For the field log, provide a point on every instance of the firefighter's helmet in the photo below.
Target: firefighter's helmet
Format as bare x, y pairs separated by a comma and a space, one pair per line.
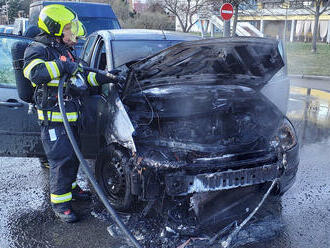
54, 17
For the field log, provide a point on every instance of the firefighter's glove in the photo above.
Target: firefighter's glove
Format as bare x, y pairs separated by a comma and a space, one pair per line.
72, 68
116, 79
108, 77
77, 85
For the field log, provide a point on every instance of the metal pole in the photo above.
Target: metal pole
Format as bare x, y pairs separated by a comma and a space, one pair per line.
226, 28
202, 27
212, 30
285, 24
328, 36
293, 25
262, 27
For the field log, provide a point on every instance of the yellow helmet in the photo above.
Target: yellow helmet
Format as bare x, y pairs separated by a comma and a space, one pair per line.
54, 17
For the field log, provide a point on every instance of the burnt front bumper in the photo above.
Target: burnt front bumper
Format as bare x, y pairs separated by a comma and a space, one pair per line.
154, 180
180, 184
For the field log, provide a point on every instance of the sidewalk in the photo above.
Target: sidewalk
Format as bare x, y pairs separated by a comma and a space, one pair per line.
313, 77
310, 81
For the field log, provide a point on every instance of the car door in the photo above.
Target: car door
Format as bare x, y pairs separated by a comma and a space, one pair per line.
91, 134
19, 130
113, 120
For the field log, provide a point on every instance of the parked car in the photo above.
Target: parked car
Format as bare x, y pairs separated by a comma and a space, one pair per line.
9, 29
190, 119
2, 28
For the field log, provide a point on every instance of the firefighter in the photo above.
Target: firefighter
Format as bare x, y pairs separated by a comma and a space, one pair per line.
45, 61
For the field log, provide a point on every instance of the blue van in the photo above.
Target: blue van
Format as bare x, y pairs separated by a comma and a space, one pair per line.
94, 16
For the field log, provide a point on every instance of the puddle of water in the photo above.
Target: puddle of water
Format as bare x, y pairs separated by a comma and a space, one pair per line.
309, 110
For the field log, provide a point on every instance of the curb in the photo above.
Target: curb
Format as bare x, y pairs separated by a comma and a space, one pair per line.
326, 78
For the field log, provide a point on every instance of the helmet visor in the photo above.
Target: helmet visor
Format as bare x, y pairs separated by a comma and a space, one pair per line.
82, 31
74, 27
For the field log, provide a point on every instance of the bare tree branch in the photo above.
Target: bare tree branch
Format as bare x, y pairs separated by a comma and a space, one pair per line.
184, 11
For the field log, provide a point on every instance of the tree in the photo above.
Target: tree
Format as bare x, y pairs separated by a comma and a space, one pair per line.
184, 11
122, 11
153, 20
317, 8
14, 6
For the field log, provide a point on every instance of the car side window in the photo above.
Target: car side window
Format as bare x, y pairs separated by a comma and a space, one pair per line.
7, 75
88, 48
101, 59
101, 63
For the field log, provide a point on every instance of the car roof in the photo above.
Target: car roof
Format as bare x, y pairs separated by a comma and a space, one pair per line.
145, 34
83, 9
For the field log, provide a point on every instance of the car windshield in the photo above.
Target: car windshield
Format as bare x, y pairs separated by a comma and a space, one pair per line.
97, 23
133, 50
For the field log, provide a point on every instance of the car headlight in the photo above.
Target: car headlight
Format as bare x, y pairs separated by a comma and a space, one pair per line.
286, 136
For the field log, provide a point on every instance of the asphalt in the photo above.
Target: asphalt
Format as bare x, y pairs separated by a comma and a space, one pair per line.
300, 220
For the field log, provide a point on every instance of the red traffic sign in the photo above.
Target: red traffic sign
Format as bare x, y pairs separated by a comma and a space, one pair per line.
226, 11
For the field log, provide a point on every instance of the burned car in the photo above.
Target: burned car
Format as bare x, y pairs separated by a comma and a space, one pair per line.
194, 117
198, 118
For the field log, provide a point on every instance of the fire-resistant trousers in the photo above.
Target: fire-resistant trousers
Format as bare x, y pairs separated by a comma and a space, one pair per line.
63, 163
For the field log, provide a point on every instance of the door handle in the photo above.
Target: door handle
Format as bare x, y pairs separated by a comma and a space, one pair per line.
11, 104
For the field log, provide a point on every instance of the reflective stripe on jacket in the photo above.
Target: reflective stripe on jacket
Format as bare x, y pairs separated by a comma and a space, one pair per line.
57, 116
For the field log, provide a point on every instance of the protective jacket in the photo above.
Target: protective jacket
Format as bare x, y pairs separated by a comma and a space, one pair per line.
44, 65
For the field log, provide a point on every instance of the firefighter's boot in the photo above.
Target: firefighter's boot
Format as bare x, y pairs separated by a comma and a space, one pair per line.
80, 195
66, 214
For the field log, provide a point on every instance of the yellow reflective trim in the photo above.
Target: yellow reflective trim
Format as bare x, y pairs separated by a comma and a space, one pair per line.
61, 198
49, 69
74, 185
57, 116
53, 83
51, 65
30, 66
56, 69
92, 79
33, 84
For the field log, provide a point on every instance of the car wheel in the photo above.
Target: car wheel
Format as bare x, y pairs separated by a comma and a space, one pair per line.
110, 172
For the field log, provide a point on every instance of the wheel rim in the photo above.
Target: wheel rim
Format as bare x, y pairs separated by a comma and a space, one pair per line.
114, 180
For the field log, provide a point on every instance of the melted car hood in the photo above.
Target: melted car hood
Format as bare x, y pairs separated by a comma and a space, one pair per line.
241, 61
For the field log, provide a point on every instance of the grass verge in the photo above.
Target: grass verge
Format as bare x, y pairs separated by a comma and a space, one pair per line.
302, 61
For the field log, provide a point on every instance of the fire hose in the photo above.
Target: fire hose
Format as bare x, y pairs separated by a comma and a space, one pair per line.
86, 169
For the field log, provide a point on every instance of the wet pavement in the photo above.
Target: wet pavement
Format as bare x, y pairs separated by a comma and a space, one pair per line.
301, 219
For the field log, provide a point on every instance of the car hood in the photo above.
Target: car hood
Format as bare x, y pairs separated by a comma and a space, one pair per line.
202, 99
244, 61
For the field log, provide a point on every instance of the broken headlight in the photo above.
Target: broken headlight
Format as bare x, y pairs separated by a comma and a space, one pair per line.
286, 136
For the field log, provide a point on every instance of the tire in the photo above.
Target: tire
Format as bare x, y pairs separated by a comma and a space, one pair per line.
110, 171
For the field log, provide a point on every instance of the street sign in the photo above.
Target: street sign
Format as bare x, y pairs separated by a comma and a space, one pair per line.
226, 11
